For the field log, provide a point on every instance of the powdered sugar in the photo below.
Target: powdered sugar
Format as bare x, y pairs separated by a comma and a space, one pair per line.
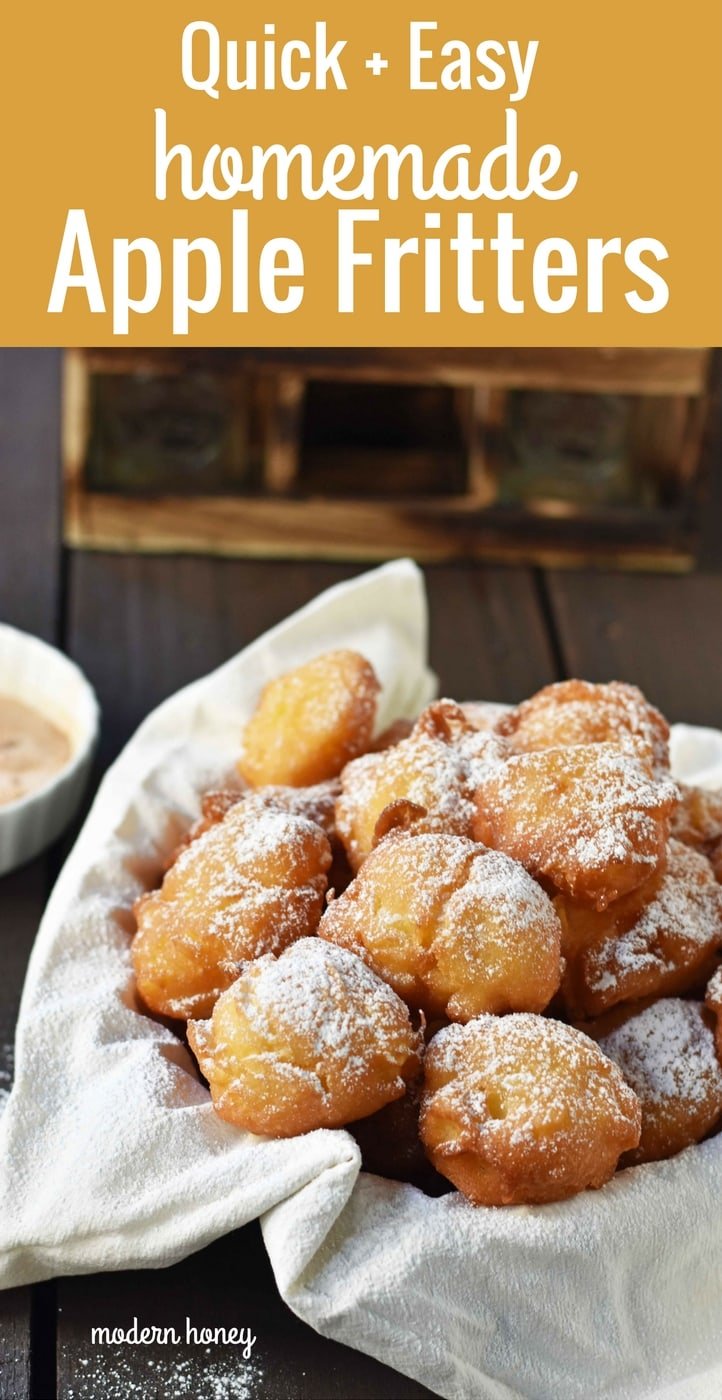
714, 990
582, 712
439, 767
519, 905
680, 924
667, 1052
588, 817
178, 1378
271, 847
529, 1083
456, 929
320, 994
248, 885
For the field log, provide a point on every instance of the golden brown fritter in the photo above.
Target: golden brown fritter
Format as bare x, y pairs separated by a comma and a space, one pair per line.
454, 928
588, 821
697, 819
250, 885
713, 1001
580, 712
437, 770
666, 1052
316, 804
660, 941
311, 721
311, 1039
523, 1109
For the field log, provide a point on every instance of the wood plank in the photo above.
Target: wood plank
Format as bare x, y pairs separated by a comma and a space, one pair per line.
141, 626
615, 370
29, 598
30, 489
15, 1344
710, 479
429, 529
663, 634
489, 640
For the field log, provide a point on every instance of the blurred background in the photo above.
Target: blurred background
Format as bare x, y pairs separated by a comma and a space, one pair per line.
569, 456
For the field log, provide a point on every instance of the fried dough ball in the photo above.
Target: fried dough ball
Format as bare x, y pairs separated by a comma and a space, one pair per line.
659, 941
588, 820
454, 928
713, 1000
580, 712
433, 773
666, 1052
250, 885
522, 1109
697, 820
311, 1039
309, 722
316, 804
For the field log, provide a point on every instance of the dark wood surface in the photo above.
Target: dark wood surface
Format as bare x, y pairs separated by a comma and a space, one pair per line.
141, 627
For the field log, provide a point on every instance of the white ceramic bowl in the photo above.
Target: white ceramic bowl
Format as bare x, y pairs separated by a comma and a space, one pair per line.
36, 673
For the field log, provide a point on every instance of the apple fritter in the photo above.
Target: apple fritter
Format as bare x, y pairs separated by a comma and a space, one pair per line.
310, 722
311, 1039
253, 883
523, 1109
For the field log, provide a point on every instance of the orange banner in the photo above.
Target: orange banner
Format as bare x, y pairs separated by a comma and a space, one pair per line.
390, 174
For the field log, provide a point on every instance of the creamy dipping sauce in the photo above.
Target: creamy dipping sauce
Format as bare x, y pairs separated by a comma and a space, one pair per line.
32, 750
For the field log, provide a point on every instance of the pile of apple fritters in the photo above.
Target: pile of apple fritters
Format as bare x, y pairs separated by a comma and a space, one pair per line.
489, 940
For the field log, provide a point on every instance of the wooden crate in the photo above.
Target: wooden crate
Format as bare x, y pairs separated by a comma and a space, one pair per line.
273, 511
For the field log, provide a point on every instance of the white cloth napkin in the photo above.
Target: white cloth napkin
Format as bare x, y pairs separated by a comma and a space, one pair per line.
111, 1156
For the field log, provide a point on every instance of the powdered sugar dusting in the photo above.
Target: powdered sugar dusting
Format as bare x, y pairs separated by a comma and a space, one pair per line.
319, 992
714, 990
529, 1083
667, 1052
681, 923
322, 1013
455, 928
582, 712
439, 767
519, 904
575, 812
177, 1378
315, 803
239, 867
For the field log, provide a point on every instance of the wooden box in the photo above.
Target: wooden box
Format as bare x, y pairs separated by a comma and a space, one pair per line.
548, 456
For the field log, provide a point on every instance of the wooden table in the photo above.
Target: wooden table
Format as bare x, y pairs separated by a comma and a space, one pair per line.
141, 627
